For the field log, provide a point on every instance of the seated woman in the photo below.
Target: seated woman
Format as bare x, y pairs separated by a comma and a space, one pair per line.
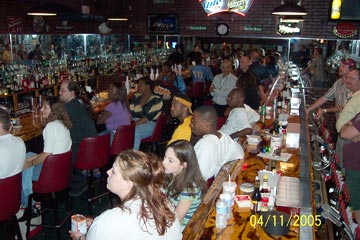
145, 107
185, 184
248, 82
145, 212
117, 113
57, 140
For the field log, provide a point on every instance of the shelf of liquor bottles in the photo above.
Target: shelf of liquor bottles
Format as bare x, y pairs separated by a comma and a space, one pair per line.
21, 82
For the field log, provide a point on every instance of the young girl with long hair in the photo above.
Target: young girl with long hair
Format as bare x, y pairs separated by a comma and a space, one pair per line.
184, 184
145, 211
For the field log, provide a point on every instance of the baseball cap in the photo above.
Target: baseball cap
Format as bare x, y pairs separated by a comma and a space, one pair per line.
349, 62
184, 102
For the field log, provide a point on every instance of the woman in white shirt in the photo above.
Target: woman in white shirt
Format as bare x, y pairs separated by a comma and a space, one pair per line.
57, 140
145, 212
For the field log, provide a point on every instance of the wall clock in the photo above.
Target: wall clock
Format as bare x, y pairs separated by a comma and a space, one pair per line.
222, 29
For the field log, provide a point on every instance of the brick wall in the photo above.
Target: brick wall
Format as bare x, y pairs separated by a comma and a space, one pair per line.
316, 24
190, 12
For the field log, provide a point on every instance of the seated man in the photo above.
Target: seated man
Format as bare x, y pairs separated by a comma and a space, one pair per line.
83, 125
12, 148
165, 89
214, 148
241, 117
181, 109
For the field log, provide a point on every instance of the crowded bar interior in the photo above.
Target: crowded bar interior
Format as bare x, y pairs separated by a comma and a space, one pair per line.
168, 119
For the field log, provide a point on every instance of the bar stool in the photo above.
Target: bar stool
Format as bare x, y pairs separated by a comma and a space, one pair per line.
51, 185
196, 92
10, 189
123, 139
155, 138
94, 153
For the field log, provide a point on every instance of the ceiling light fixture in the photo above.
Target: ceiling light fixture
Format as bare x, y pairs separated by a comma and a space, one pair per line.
291, 19
289, 8
42, 10
39, 13
117, 19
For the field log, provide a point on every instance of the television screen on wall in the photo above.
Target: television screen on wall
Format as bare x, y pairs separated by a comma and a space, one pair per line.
349, 10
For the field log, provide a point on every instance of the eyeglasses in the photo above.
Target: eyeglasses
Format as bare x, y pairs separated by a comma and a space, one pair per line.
352, 78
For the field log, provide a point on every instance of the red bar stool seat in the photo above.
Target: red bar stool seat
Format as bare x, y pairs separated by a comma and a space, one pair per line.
49, 188
123, 139
94, 153
10, 194
155, 138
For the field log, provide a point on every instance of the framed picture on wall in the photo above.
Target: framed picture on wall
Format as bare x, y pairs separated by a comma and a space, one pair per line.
163, 23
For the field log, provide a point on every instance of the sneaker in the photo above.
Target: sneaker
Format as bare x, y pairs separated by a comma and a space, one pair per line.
77, 192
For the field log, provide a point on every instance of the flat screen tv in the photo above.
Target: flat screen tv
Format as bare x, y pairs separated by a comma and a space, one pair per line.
350, 10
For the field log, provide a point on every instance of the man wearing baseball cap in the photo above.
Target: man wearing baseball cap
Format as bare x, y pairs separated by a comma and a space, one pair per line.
337, 92
340, 93
181, 109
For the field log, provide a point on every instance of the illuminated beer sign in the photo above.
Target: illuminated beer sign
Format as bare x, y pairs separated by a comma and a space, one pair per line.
216, 6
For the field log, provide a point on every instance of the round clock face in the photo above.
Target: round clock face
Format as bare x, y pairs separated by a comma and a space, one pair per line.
222, 29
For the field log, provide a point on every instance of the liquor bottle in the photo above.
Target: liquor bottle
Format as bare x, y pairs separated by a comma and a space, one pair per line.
152, 75
286, 106
157, 74
273, 165
127, 85
322, 153
221, 212
279, 103
336, 9
263, 113
276, 128
265, 193
256, 200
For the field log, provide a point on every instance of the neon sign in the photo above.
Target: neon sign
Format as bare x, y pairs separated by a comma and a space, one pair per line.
240, 7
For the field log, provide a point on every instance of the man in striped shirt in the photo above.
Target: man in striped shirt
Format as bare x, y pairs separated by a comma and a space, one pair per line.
337, 92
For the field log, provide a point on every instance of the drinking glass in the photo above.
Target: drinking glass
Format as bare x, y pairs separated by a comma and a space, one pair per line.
34, 104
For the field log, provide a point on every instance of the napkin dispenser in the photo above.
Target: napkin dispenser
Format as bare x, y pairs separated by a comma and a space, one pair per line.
293, 135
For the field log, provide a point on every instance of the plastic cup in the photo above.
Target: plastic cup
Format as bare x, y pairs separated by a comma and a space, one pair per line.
230, 187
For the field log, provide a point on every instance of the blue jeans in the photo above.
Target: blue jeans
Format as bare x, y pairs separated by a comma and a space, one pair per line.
143, 131
29, 175
112, 134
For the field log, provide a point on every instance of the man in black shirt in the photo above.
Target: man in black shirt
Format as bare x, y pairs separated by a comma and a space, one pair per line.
82, 126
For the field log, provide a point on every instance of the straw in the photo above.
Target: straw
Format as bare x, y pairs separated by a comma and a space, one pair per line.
229, 179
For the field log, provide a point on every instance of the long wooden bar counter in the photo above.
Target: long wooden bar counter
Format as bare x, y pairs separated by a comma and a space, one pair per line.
203, 225
31, 124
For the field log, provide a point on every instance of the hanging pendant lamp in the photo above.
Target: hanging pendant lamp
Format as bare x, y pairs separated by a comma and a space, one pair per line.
289, 8
292, 19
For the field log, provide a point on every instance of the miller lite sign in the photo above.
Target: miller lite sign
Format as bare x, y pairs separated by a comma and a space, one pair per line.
216, 6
